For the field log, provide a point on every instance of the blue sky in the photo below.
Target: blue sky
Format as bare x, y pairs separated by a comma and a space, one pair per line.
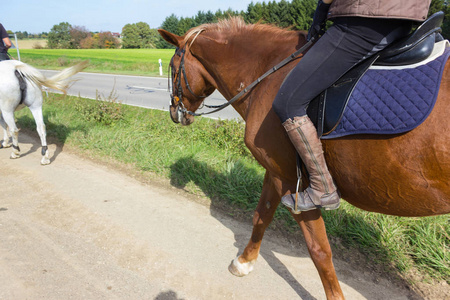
36, 16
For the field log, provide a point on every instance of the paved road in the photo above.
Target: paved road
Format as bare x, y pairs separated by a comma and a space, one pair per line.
150, 92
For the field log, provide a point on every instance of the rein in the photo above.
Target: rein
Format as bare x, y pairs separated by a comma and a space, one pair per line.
178, 100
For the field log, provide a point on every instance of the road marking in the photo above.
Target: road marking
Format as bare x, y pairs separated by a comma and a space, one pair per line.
146, 88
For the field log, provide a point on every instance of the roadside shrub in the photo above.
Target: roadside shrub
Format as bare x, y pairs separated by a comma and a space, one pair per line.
105, 111
38, 45
63, 61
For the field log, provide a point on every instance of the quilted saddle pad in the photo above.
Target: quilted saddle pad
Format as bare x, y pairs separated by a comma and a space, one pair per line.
393, 100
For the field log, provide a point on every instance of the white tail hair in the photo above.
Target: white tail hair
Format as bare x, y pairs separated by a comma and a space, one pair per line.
61, 81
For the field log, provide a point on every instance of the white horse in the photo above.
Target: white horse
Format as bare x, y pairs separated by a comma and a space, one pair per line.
20, 86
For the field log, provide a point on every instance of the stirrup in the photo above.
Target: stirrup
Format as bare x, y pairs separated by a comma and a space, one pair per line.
300, 203
291, 201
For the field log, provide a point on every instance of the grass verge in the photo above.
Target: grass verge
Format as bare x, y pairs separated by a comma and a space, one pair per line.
209, 158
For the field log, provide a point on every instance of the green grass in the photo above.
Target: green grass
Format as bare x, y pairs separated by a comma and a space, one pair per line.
116, 61
209, 158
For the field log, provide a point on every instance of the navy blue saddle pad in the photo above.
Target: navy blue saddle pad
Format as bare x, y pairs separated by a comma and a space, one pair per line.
392, 101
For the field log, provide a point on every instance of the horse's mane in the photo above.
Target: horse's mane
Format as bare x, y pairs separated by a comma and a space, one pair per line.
237, 25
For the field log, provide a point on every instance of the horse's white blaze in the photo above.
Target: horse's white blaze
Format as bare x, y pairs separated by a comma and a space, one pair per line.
180, 114
241, 269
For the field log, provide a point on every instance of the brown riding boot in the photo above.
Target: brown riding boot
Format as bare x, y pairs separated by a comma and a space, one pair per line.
321, 193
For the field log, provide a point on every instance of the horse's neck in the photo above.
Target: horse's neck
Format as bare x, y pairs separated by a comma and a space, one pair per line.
245, 61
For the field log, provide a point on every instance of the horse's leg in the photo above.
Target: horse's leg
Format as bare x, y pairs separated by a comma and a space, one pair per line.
40, 127
6, 136
14, 131
243, 264
313, 227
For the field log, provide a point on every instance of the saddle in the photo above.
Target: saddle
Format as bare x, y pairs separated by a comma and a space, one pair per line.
327, 109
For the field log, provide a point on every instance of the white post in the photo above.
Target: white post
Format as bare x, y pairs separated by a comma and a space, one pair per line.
160, 67
17, 46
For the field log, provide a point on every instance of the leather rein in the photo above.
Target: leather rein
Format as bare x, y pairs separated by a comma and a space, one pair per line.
177, 100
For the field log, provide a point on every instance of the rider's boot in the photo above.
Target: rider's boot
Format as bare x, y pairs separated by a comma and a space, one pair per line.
321, 193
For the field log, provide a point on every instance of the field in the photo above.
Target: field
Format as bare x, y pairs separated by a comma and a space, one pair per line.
115, 61
30, 44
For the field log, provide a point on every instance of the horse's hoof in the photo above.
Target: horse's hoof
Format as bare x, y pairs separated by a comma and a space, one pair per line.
240, 269
14, 155
5, 145
45, 161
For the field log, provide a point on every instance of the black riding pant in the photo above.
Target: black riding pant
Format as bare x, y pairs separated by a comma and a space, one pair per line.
345, 44
4, 56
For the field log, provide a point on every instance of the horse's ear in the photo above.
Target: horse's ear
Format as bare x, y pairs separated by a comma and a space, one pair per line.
170, 37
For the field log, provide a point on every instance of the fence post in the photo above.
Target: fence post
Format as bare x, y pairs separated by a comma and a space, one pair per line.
17, 46
160, 67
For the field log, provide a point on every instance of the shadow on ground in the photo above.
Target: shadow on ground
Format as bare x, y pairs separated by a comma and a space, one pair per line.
56, 134
187, 170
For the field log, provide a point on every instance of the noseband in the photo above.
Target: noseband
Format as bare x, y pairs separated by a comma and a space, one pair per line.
177, 101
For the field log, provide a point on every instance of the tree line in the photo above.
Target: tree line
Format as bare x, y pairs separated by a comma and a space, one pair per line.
25, 35
294, 14
66, 36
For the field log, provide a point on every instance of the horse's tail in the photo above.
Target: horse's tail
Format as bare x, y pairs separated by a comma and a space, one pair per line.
61, 81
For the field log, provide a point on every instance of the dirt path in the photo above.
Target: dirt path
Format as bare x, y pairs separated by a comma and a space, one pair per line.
79, 230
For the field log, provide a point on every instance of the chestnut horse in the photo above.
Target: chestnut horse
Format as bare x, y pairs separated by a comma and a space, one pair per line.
403, 175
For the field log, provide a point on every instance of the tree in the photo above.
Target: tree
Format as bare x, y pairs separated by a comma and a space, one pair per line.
204, 18
254, 13
446, 23
138, 35
302, 12
436, 5
284, 16
91, 42
185, 24
107, 41
130, 36
77, 34
170, 24
59, 36
228, 13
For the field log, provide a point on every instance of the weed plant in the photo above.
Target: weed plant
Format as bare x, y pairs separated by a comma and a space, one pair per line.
105, 111
209, 158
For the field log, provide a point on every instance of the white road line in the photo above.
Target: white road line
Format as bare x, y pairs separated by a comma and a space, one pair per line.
146, 88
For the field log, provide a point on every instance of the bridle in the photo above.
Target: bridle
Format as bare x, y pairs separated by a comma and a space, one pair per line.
176, 100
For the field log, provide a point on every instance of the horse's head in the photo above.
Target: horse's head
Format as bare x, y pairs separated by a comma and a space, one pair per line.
191, 83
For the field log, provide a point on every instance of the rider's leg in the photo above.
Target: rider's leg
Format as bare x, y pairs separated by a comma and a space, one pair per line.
322, 191
343, 46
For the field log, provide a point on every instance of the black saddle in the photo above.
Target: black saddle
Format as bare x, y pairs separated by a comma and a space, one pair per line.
326, 110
